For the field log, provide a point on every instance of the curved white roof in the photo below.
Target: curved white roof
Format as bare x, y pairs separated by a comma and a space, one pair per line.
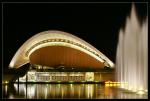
54, 38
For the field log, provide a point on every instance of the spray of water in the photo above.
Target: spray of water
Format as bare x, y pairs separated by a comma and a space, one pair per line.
132, 54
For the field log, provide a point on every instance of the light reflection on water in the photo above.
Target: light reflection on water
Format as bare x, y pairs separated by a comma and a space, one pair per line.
74, 91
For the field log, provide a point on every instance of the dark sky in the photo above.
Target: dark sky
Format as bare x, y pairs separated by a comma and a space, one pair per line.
96, 23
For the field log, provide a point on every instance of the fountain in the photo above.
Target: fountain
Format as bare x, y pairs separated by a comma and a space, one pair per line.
132, 55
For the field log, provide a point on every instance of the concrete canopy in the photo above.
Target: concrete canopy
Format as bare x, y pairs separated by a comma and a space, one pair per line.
42, 47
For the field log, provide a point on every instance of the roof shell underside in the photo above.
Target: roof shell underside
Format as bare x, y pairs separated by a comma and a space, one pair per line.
54, 56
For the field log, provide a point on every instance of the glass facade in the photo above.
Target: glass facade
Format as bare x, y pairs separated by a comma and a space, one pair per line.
36, 76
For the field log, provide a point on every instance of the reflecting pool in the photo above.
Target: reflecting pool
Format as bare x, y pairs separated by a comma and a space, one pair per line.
69, 91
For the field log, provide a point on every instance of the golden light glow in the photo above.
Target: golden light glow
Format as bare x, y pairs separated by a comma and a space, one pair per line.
140, 92
39, 67
6, 82
107, 85
115, 85
106, 82
110, 84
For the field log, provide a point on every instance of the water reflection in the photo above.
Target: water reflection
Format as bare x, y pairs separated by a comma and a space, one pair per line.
61, 91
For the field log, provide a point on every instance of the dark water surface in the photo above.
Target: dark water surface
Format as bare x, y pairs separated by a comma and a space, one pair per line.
60, 91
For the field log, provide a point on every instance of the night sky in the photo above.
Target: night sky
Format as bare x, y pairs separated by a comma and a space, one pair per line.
96, 23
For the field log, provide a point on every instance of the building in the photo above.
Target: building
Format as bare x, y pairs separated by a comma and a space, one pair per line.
59, 56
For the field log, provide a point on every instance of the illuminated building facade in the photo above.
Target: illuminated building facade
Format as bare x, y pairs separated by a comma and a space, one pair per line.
65, 77
34, 76
51, 51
